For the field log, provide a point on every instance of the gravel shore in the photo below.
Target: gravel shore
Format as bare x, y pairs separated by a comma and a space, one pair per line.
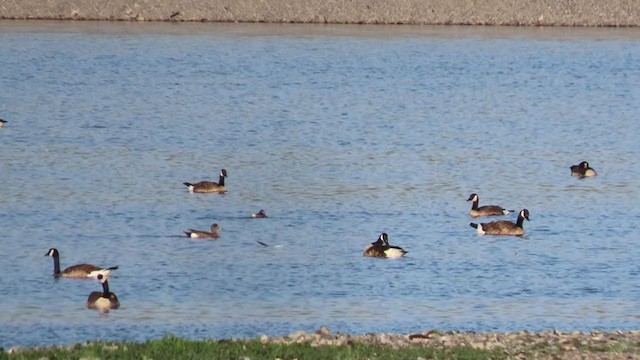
517, 345
623, 13
551, 344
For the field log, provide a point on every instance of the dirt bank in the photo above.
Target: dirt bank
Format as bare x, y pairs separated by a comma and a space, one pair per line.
459, 12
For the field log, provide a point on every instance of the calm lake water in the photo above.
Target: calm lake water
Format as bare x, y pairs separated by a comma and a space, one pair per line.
339, 133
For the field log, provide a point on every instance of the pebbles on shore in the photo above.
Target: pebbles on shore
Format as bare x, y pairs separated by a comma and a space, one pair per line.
523, 344
550, 344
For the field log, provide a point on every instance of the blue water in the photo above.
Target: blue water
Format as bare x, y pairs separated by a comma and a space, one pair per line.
339, 133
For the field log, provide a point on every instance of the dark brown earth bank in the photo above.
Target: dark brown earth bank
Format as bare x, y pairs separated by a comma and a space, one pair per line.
616, 13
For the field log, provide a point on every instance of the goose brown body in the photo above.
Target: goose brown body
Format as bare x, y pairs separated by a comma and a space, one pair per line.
105, 299
486, 210
201, 234
209, 186
76, 271
503, 227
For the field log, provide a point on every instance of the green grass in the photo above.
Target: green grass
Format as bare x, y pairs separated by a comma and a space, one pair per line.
178, 348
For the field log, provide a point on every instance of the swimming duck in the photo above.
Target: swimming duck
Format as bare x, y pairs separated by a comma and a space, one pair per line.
259, 214
486, 210
201, 234
209, 186
76, 271
503, 227
583, 170
381, 248
105, 299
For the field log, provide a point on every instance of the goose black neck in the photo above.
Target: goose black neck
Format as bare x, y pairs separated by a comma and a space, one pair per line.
520, 221
475, 204
221, 181
105, 289
56, 265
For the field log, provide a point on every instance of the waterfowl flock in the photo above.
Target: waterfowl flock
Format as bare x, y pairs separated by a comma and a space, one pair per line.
105, 300
381, 248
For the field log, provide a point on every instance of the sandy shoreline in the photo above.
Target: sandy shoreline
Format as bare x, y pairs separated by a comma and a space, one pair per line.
611, 13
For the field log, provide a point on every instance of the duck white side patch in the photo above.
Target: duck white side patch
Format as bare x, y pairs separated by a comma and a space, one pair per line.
393, 253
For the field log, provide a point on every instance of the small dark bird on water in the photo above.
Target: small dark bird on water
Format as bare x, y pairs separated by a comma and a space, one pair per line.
583, 170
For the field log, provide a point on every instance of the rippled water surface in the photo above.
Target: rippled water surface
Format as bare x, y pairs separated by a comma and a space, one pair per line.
339, 133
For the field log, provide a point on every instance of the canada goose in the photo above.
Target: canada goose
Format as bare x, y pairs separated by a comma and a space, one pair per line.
503, 227
76, 271
2, 122
381, 248
201, 234
209, 186
486, 210
259, 214
105, 299
582, 170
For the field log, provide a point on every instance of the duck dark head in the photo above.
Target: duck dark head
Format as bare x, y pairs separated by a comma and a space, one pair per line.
383, 240
52, 252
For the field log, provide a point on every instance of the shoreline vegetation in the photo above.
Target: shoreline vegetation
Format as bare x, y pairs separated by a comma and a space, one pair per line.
590, 13
323, 344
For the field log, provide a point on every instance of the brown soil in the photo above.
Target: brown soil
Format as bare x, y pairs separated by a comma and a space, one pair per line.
468, 12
